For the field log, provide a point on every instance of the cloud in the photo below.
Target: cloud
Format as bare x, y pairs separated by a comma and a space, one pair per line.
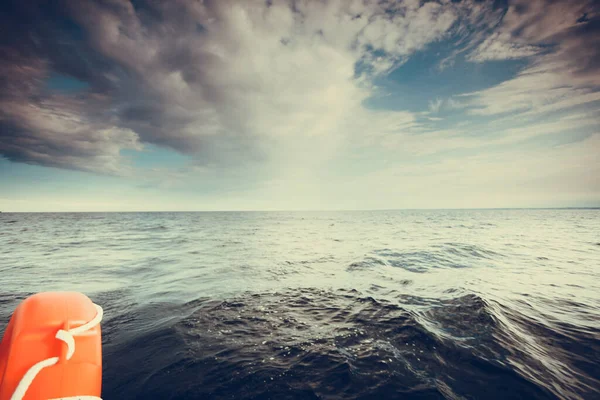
434, 105
538, 177
549, 85
53, 133
501, 135
562, 41
530, 26
278, 90
53, 129
227, 82
478, 21
499, 46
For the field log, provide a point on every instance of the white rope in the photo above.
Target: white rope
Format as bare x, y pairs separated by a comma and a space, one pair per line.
67, 337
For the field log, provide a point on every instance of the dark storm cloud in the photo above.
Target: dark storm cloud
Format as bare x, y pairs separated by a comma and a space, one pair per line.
211, 78
45, 128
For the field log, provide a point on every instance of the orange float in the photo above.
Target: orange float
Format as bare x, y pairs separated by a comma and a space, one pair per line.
52, 349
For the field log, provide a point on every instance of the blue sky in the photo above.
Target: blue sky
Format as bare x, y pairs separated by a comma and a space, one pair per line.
253, 105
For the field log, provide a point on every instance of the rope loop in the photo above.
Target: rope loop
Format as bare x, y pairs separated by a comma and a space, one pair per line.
66, 336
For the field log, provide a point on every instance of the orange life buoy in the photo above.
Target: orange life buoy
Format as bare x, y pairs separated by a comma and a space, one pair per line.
31, 336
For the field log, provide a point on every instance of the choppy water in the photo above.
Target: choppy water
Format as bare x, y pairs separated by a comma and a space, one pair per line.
480, 304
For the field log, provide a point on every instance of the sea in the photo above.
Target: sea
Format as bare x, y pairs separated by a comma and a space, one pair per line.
411, 304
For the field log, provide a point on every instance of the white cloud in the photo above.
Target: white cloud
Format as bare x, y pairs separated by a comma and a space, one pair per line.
454, 104
241, 83
231, 82
260, 79
563, 50
435, 105
499, 134
529, 24
546, 86
540, 177
501, 46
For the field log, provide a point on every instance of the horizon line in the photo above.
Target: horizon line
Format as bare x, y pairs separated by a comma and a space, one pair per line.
308, 210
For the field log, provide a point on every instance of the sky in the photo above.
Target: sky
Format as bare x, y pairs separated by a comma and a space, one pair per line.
185, 105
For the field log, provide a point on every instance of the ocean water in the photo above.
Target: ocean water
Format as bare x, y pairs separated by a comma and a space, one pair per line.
469, 304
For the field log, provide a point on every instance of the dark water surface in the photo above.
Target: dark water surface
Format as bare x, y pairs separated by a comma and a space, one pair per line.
474, 304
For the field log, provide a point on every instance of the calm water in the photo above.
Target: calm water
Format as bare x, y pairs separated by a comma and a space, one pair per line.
490, 304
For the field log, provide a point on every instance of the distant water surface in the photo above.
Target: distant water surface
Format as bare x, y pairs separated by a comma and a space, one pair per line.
470, 304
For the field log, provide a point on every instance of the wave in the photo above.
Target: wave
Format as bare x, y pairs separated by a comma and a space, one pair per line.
310, 343
446, 255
